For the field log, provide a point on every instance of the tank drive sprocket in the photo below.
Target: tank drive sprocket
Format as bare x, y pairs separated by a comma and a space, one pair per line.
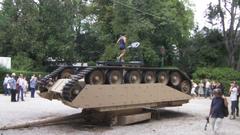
72, 88
44, 82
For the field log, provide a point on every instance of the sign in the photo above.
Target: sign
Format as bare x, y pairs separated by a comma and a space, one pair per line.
5, 62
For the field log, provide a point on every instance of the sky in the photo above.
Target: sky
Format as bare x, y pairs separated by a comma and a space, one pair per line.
200, 8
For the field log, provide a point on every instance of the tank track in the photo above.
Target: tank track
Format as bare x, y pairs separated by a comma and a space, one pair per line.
44, 82
171, 77
68, 88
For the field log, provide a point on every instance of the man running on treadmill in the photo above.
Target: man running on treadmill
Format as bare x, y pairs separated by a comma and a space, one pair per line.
122, 46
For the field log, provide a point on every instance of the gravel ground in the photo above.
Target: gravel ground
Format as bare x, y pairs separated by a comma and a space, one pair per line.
188, 119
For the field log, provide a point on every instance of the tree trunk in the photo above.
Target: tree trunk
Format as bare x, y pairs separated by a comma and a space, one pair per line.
231, 60
230, 34
238, 64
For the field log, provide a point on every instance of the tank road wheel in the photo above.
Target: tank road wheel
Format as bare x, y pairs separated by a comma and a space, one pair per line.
163, 77
185, 87
149, 77
66, 73
175, 78
133, 77
114, 77
96, 77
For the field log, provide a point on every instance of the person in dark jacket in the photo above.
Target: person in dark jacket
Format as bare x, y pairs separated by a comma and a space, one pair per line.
219, 102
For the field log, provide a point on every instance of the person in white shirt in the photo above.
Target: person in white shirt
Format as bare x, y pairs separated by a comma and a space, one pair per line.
193, 90
207, 88
200, 89
233, 97
25, 86
6, 86
21, 87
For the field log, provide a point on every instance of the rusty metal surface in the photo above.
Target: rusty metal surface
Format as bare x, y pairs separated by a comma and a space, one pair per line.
134, 95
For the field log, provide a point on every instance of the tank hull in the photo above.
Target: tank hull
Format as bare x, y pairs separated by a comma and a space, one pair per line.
119, 96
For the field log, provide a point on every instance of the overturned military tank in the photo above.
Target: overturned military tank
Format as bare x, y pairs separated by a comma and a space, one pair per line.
117, 92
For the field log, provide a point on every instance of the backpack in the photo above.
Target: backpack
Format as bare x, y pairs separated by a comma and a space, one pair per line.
225, 110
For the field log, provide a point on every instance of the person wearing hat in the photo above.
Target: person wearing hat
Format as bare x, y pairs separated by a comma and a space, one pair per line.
219, 103
13, 83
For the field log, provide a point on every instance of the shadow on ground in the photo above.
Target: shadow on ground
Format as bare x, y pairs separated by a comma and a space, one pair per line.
161, 114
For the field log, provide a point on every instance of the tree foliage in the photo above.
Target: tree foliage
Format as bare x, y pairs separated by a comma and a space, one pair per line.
37, 30
153, 23
33, 31
204, 49
227, 12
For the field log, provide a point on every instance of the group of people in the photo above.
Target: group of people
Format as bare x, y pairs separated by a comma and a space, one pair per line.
205, 88
219, 106
17, 87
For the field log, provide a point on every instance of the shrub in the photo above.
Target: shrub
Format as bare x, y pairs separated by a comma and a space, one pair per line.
223, 75
22, 62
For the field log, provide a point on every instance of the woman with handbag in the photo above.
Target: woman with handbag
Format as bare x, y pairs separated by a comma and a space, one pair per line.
218, 110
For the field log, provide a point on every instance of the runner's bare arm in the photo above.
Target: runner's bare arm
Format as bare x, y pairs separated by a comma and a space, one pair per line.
118, 40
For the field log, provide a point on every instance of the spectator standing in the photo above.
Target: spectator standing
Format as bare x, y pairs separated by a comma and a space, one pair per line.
194, 86
207, 88
219, 102
200, 89
12, 84
238, 94
233, 97
38, 80
33, 83
238, 104
25, 86
21, 87
6, 86
39, 77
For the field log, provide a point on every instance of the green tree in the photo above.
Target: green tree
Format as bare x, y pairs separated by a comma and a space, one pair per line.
204, 49
156, 23
38, 30
56, 33
228, 12
79, 30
